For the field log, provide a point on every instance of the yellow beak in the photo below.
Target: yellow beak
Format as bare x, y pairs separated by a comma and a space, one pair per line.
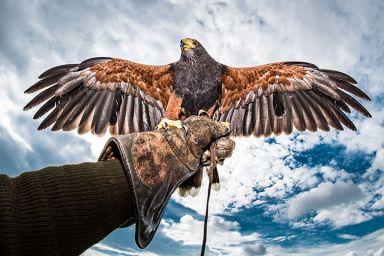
187, 43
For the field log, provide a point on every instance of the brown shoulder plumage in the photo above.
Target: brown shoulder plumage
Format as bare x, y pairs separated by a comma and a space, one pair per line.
156, 81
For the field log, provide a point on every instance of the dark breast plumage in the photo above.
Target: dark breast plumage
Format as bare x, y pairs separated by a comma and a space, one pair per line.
198, 83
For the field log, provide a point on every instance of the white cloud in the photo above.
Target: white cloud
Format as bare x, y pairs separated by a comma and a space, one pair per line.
322, 197
369, 135
378, 162
351, 254
379, 252
331, 175
369, 245
347, 236
260, 171
9, 106
224, 237
254, 166
91, 252
101, 249
342, 215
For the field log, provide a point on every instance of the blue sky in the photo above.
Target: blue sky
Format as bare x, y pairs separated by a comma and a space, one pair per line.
304, 194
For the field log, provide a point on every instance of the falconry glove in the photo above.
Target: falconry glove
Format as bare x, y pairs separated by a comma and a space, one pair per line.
157, 162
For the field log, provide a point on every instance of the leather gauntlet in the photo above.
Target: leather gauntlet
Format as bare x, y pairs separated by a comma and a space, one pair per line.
157, 162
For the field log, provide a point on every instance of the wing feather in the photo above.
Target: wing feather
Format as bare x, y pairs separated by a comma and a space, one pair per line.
236, 119
342, 117
121, 122
41, 97
326, 110
86, 120
275, 97
258, 131
137, 115
58, 70
352, 89
149, 87
222, 116
353, 103
265, 120
130, 113
75, 117
339, 76
318, 116
115, 109
73, 101
104, 110
50, 104
310, 122
228, 118
276, 121
249, 120
48, 81
287, 118
53, 115
298, 116
146, 122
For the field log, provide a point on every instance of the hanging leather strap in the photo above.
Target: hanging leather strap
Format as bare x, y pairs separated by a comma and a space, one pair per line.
211, 169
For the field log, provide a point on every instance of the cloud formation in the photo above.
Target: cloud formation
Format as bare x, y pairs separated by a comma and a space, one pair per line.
224, 236
324, 196
278, 178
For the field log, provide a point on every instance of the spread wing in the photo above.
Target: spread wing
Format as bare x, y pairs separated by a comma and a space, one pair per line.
100, 92
276, 97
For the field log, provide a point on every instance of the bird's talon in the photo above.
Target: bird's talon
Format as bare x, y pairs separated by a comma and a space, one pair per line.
226, 124
203, 113
167, 123
185, 127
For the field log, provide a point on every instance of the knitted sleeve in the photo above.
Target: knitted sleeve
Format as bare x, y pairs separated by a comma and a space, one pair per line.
62, 210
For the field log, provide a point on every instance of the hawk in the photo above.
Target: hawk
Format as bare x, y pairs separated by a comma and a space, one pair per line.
127, 97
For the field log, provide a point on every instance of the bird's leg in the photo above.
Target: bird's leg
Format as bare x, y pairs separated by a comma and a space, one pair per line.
211, 111
172, 113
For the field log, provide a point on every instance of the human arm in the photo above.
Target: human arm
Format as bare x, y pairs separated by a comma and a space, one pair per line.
62, 210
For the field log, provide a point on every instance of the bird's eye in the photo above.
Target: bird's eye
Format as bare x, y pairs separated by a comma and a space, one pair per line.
195, 43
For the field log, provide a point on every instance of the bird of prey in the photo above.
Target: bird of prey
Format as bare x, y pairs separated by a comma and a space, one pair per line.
130, 97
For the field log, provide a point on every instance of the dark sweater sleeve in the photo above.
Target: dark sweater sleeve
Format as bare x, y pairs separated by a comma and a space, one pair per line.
62, 210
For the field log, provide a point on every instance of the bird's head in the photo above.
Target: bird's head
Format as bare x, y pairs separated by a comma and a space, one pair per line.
191, 47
